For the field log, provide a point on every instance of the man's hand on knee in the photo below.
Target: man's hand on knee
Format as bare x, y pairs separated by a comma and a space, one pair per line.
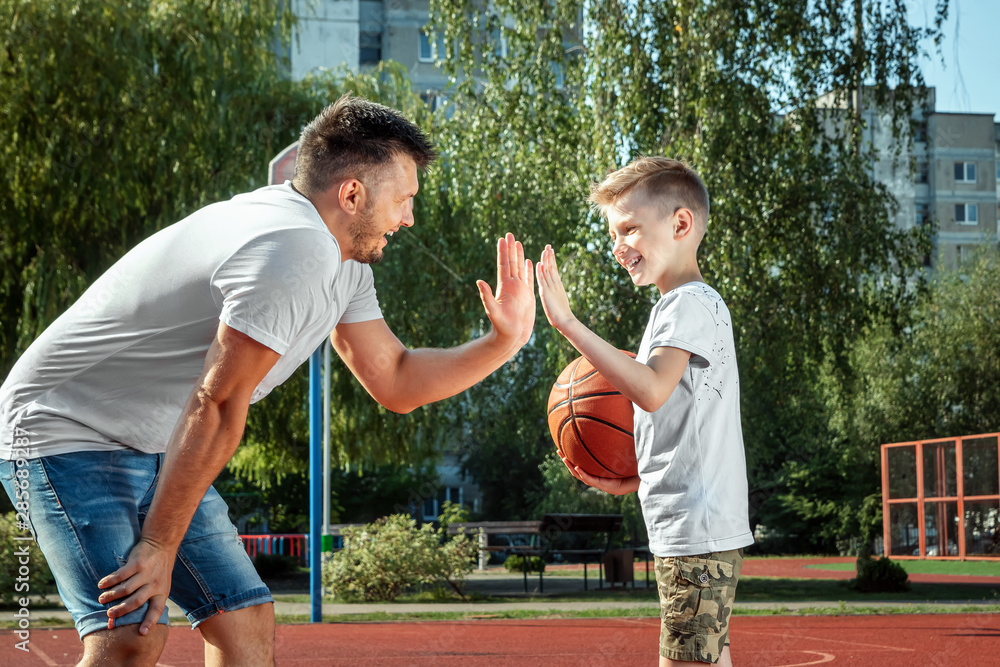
145, 577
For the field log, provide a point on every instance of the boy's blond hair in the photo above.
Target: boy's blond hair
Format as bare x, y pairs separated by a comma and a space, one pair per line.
670, 183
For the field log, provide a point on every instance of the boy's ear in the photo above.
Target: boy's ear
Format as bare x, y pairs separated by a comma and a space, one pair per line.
683, 223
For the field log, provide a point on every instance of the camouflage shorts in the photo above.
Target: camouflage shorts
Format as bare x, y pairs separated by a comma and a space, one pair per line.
696, 600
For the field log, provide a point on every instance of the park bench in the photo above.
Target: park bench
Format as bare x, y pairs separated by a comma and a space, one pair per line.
545, 536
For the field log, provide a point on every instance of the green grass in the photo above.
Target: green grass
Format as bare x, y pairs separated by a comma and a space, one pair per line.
751, 589
55, 622
540, 612
766, 589
838, 609
37, 623
978, 568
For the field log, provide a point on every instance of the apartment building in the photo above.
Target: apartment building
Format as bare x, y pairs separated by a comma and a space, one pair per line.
961, 159
359, 33
950, 174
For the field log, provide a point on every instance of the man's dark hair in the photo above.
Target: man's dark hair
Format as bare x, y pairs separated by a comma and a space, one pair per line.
352, 138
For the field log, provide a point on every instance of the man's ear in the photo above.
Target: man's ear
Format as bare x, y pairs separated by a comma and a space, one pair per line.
351, 196
683, 223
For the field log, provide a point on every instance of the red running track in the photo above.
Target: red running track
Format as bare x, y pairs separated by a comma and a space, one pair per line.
771, 641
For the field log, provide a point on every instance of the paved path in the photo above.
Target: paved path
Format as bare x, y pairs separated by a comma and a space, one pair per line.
497, 582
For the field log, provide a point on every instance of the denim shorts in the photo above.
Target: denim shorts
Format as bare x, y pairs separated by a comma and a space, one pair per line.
86, 511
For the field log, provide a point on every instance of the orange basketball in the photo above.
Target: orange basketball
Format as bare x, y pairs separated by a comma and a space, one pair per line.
591, 422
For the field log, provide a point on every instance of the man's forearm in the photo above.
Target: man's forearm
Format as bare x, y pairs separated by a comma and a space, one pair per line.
426, 375
202, 443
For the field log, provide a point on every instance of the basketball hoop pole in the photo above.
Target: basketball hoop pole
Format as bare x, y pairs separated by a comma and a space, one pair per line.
315, 488
279, 170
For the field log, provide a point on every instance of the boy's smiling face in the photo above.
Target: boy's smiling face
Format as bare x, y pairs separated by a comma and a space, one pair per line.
644, 241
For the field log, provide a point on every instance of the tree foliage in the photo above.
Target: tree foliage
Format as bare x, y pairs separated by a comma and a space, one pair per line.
938, 378
755, 95
121, 118
941, 377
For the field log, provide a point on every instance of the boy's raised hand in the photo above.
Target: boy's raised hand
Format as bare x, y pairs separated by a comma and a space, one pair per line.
555, 303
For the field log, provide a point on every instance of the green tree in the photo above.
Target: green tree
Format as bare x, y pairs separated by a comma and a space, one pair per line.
758, 96
20, 577
939, 377
942, 376
515, 158
119, 119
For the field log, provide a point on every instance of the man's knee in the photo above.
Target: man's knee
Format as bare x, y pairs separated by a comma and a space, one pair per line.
234, 624
241, 637
124, 646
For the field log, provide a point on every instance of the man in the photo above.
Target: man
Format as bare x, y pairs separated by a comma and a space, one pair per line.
119, 417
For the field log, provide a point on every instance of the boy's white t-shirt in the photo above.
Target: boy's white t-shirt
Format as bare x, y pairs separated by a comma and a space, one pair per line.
116, 369
692, 466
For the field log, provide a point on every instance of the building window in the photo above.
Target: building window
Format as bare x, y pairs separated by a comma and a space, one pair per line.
370, 48
498, 43
998, 172
923, 213
920, 132
426, 52
430, 50
965, 172
967, 214
922, 171
433, 506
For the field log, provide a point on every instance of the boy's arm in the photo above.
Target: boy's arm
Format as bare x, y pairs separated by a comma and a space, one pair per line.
647, 385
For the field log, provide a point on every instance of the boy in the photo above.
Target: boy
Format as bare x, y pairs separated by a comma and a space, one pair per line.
685, 387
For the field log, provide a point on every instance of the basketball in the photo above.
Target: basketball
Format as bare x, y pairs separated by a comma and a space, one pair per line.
591, 422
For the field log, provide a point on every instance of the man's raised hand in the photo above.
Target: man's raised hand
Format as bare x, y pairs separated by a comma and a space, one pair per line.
512, 310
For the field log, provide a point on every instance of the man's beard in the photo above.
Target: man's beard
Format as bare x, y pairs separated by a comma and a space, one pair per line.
365, 237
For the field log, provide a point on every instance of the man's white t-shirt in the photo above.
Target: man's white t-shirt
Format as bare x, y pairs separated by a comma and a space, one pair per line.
692, 466
116, 369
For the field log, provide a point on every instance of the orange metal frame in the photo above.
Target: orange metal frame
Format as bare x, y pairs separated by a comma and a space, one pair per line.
938, 500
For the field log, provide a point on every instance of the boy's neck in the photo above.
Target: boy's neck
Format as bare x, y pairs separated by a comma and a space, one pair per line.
688, 274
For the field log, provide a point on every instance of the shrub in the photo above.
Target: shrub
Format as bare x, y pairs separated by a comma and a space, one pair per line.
880, 576
381, 560
15, 583
515, 563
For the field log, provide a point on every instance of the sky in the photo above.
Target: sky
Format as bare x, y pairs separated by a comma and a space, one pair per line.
969, 79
